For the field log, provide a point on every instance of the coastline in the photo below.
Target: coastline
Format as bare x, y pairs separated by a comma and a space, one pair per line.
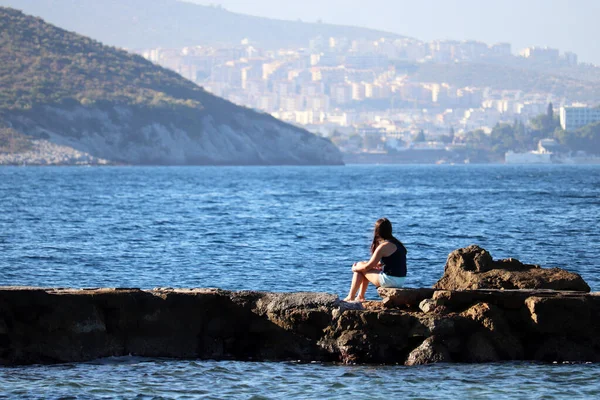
45, 153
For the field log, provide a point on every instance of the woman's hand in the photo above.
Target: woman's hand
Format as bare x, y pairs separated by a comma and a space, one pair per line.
358, 266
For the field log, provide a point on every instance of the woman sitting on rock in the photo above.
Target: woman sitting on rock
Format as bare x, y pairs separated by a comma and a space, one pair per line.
387, 266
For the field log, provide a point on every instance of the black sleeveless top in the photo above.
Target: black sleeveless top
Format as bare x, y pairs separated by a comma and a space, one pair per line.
395, 264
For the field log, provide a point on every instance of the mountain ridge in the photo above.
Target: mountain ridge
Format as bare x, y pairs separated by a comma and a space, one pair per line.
136, 24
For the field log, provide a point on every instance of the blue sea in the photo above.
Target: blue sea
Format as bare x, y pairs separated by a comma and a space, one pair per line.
287, 229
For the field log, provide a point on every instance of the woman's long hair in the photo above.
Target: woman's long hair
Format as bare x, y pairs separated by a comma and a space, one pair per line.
383, 231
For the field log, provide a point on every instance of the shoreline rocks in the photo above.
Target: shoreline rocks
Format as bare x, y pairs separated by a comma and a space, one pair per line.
73, 325
473, 314
43, 152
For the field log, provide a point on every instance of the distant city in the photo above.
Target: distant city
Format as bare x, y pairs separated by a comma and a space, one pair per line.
359, 92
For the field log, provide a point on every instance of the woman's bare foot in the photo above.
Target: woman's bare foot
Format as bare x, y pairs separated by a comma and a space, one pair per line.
348, 298
361, 299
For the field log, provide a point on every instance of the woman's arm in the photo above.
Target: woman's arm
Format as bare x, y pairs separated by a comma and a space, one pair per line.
373, 263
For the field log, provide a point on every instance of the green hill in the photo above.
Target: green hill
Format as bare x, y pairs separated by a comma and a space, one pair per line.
73, 90
40, 63
145, 24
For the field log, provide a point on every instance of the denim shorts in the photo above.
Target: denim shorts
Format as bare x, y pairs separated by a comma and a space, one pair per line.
387, 281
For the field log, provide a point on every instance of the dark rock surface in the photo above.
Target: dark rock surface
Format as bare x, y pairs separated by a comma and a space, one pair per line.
70, 325
473, 268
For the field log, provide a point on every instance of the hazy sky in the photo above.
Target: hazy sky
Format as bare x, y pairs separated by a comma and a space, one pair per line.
567, 25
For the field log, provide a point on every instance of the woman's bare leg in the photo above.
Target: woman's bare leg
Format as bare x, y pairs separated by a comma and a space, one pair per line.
363, 289
360, 283
372, 277
357, 280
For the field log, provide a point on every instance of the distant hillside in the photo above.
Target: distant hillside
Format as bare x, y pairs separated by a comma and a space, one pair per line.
170, 23
74, 91
504, 77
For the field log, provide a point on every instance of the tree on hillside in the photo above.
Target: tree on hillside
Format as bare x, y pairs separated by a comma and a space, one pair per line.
477, 139
503, 138
586, 138
449, 138
524, 140
543, 126
550, 112
419, 137
12, 141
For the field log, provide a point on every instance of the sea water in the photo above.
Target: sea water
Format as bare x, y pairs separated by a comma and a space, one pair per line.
287, 229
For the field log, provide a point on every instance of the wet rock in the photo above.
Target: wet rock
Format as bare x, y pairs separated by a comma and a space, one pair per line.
3, 327
429, 352
479, 349
562, 349
473, 268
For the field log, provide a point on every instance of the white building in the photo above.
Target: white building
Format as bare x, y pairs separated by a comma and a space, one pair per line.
358, 91
572, 118
318, 103
541, 54
267, 102
341, 93
571, 58
501, 49
291, 103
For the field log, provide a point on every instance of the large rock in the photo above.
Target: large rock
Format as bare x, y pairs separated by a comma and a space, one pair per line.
551, 315
473, 268
507, 299
429, 352
405, 297
359, 336
495, 328
563, 349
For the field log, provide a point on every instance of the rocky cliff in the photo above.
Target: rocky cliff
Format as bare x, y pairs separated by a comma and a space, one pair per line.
73, 91
132, 134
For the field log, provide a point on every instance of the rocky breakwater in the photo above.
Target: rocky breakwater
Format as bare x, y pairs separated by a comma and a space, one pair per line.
484, 310
410, 326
